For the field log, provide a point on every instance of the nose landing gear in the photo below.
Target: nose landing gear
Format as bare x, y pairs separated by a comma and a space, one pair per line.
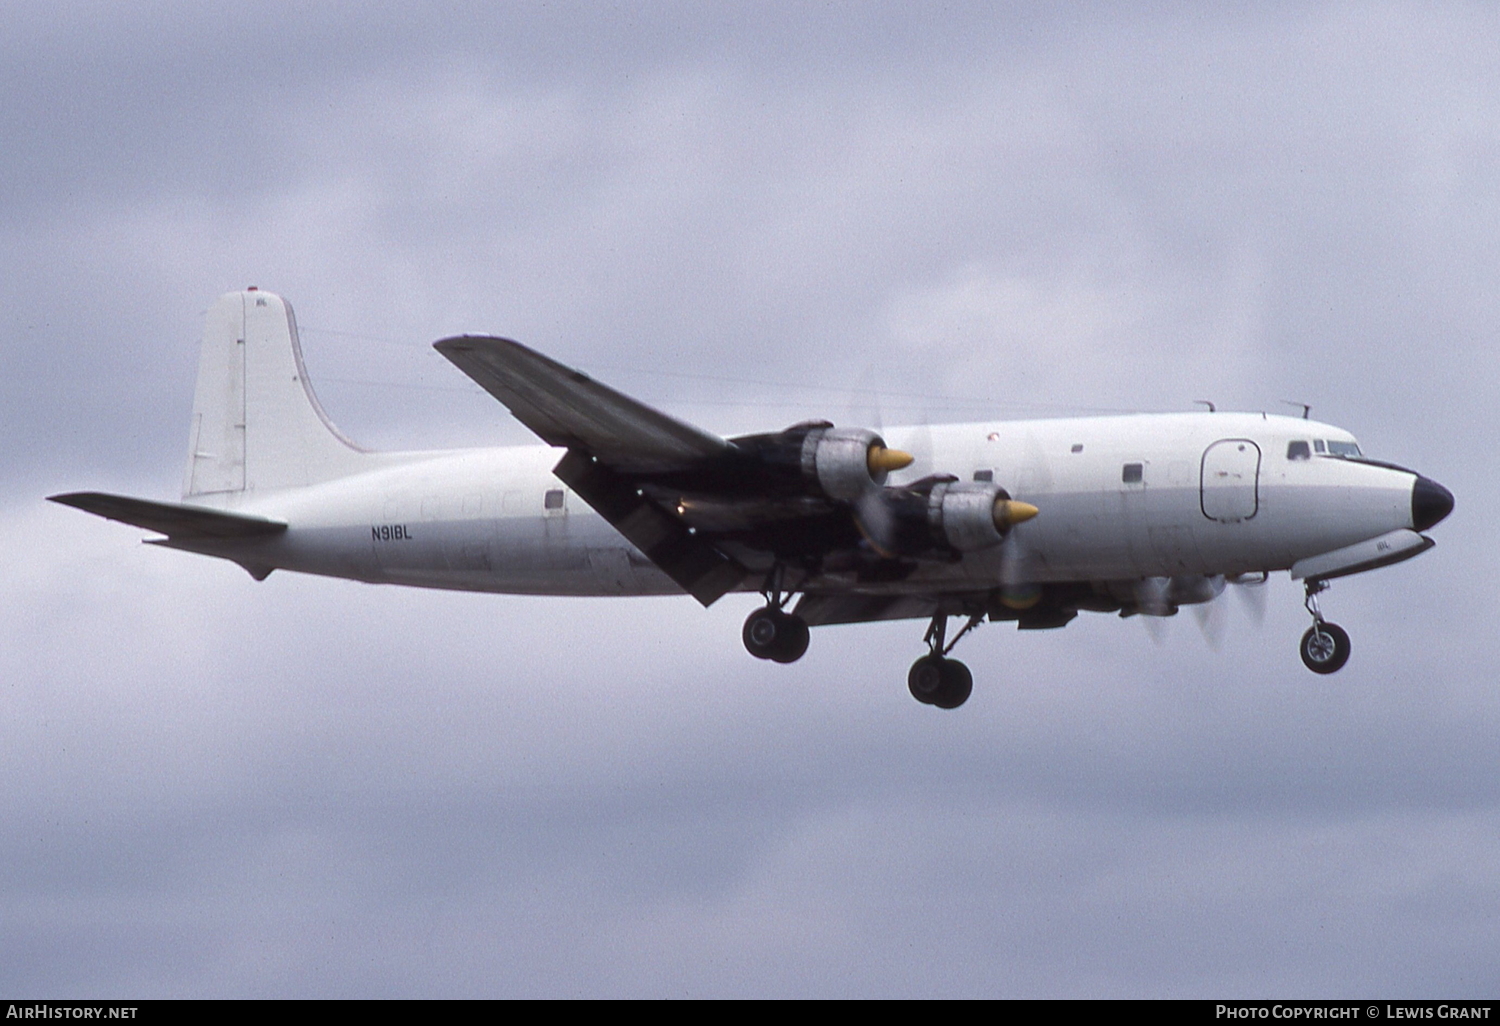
935, 679
1325, 647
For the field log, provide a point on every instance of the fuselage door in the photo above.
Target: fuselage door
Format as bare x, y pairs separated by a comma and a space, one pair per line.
1231, 480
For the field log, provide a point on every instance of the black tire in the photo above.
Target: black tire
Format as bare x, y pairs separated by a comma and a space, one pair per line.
791, 640
1325, 648
772, 634
925, 679
761, 633
958, 685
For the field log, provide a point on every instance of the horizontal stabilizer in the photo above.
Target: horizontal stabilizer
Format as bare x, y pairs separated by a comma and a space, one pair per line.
172, 519
568, 409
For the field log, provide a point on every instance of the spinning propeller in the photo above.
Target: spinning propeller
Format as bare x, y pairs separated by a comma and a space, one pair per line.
1159, 597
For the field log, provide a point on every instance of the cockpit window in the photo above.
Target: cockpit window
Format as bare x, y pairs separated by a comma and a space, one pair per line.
1298, 451
1343, 449
1318, 446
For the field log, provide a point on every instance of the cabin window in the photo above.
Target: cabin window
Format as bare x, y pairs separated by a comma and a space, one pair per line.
1078, 447
1298, 451
1133, 473
553, 499
984, 475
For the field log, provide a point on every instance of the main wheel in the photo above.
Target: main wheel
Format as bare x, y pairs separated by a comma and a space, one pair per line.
760, 633
1325, 648
772, 634
791, 643
945, 683
958, 685
925, 678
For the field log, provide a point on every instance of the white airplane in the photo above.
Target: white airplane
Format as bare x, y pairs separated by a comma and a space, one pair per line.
1027, 521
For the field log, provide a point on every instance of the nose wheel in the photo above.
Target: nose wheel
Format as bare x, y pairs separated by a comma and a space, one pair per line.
1325, 647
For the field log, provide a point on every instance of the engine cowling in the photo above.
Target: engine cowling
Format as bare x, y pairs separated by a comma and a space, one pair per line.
940, 516
817, 458
846, 463
971, 516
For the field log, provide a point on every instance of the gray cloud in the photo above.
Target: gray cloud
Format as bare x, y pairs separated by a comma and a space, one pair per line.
747, 216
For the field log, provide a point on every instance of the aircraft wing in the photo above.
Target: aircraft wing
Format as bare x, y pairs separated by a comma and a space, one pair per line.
712, 513
569, 409
613, 443
170, 518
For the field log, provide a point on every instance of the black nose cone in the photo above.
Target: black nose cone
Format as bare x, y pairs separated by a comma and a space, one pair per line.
1430, 502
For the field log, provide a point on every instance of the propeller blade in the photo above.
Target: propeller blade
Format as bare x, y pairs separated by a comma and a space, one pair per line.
918, 442
1156, 626
1252, 595
1213, 622
875, 521
1017, 589
1151, 596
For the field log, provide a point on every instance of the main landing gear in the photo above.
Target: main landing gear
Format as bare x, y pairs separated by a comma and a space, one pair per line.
1325, 646
935, 679
773, 633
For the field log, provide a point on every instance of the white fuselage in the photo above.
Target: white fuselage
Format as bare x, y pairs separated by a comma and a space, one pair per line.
1119, 498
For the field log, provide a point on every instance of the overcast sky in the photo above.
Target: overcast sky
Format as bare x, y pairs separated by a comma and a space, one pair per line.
747, 214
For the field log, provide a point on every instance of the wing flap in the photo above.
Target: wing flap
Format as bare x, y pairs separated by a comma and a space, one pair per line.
172, 519
567, 408
697, 566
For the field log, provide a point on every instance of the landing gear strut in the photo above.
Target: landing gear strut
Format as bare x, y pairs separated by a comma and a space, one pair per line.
1325, 646
935, 679
772, 633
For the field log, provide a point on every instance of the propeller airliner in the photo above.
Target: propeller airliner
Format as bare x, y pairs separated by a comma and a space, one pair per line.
1029, 521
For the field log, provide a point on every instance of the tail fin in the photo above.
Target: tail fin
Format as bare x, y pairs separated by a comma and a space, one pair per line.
256, 423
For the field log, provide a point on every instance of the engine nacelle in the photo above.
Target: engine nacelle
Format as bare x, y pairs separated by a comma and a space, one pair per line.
814, 457
970, 517
940, 516
846, 463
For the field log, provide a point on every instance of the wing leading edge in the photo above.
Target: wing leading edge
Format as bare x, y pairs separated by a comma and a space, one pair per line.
569, 409
612, 441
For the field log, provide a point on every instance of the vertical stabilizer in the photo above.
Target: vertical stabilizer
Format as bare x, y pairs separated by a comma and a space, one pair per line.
256, 423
